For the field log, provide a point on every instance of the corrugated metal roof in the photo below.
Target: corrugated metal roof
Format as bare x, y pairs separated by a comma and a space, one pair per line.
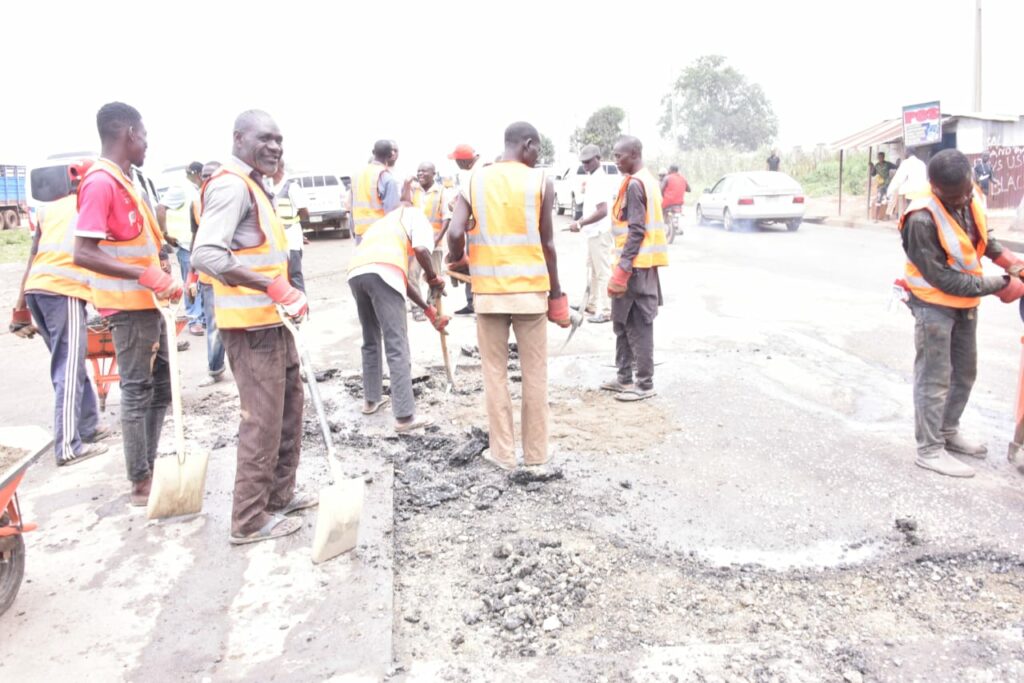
886, 131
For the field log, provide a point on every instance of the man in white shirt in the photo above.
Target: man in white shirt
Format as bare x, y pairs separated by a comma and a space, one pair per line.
909, 182
378, 275
598, 192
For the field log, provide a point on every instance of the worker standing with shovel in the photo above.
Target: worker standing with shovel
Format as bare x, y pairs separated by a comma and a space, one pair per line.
241, 243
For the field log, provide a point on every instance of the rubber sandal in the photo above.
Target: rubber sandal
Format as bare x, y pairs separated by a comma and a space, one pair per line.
299, 502
89, 450
508, 467
636, 395
415, 424
616, 386
277, 526
102, 432
376, 406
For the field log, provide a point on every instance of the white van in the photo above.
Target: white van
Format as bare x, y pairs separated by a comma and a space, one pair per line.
325, 197
569, 186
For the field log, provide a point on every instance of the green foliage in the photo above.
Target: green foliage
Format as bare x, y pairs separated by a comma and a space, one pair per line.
817, 171
603, 128
547, 151
14, 245
712, 105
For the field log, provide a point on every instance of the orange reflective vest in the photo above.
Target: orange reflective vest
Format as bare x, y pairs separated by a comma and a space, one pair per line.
505, 252
53, 267
240, 308
367, 205
961, 254
143, 250
654, 249
430, 201
386, 242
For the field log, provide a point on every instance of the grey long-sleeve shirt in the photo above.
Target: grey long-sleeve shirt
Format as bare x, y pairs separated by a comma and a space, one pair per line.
229, 222
921, 243
644, 282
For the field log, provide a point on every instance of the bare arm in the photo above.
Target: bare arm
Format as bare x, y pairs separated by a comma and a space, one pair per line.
28, 266
547, 238
88, 255
423, 258
414, 296
600, 211
457, 228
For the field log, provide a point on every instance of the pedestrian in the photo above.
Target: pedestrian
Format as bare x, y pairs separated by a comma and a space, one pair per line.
640, 249
512, 262
118, 239
242, 245
944, 237
910, 182
427, 195
176, 213
598, 193
287, 203
983, 173
465, 158
773, 160
378, 278
54, 292
882, 172
201, 285
673, 194
375, 190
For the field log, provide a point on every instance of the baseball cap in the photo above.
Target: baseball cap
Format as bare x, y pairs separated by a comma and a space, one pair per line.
589, 152
463, 152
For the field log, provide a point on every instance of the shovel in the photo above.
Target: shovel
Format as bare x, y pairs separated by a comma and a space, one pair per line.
449, 369
341, 503
178, 482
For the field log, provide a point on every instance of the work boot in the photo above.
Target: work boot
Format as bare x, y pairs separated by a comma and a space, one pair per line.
140, 492
944, 463
616, 386
964, 446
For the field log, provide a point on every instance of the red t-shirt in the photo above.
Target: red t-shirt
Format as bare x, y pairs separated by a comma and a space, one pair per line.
106, 211
675, 190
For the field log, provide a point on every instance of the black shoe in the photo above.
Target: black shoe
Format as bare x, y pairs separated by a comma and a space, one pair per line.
466, 310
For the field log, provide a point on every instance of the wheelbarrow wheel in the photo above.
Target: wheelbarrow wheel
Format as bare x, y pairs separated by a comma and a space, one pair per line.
12, 570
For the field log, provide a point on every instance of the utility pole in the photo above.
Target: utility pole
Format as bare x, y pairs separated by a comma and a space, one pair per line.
977, 56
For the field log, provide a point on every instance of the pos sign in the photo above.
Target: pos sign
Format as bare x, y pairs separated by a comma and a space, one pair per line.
922, 124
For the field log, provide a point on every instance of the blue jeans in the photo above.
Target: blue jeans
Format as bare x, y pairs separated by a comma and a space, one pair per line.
61, 322
214, 344
193, 309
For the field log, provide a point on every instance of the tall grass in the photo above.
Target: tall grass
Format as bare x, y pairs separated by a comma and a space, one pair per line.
816, 170
14, 245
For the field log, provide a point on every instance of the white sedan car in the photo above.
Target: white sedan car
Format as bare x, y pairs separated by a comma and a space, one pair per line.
753, 197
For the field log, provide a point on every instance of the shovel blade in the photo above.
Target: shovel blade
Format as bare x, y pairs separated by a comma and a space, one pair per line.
337, 519
178, 487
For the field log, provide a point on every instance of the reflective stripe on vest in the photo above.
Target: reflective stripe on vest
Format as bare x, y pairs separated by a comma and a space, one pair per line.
143, 250
179, 225
53, 267
430, 202
961, 254
386, 242
243, 307
505, 252
654, 249
367, 206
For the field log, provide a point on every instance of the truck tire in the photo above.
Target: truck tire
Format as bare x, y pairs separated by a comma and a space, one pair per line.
11, 220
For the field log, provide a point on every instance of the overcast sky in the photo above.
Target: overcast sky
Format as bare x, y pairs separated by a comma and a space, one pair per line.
337, 76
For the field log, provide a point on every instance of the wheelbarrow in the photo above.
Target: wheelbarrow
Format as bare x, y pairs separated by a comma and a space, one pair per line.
19, 447
99, 351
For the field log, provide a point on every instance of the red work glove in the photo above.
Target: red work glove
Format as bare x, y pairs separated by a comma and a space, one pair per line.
292, 300
439, 322
617, 283
21, 323
436, 285
558, 311
1010, 262
163, 284
1012, 291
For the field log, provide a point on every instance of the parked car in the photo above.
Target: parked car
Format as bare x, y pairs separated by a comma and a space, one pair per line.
326, 201
753, 197
569, 181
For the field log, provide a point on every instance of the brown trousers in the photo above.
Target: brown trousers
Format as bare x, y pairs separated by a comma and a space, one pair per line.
265, 364
532, 338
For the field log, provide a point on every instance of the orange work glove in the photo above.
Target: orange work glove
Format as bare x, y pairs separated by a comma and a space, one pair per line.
618, 282
163, 284
439, 322
558, 311
292, 300
1010, 262
1012, 291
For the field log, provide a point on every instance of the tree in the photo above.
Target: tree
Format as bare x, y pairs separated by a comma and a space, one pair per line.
712, 105
603, 128
547, 151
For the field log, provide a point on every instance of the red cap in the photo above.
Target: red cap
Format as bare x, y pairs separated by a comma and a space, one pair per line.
463, 152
